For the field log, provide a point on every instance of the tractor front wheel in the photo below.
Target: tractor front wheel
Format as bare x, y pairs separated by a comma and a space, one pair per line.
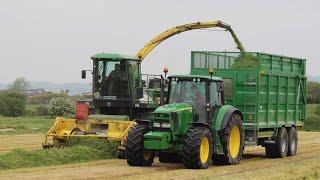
197, 148
135, 153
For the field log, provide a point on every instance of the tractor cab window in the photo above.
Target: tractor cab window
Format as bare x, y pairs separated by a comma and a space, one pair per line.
189, 92
215, 97
112, 78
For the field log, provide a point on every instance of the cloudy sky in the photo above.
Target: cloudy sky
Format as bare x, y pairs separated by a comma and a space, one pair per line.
53, 40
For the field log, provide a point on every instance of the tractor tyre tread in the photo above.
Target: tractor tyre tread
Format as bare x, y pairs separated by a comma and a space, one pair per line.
135, 148
191, 148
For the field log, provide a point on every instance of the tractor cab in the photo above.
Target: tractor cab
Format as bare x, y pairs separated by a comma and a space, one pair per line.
119, 87
203, 93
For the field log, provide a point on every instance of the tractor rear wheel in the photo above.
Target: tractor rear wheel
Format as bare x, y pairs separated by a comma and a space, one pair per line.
135, 153
197, 148
232, 142
166, 157
293, 141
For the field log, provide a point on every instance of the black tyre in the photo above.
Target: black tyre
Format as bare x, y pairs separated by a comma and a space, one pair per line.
135, 153
232, 142
292, 141
270, 150
280, 148
121, 154
197, 148
166, 157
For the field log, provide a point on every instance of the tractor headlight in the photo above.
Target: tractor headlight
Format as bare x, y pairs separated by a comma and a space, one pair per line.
156, 125
165, 125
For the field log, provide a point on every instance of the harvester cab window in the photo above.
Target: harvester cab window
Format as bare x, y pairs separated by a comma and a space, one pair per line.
113, 79
189, 92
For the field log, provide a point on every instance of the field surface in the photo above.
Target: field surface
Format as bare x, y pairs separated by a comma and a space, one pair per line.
25, 141
254, 165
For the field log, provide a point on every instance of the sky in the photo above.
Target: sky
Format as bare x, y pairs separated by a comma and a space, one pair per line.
52, 41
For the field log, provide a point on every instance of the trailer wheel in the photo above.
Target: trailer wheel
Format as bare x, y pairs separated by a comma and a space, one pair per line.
232, 142
166, 157
197, 148
280, 148
293, 141
135, 153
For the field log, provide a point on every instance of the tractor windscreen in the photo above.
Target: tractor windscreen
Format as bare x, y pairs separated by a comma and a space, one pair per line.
111, 79
189, 92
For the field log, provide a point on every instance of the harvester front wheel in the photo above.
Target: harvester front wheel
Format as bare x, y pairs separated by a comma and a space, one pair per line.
135, 153
197, 148
293, 141
232, 142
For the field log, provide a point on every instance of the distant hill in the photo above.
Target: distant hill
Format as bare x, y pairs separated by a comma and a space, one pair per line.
74, 88
3, 86
314, 78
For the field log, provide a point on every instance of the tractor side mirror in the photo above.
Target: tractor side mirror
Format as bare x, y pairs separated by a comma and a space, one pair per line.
83, 74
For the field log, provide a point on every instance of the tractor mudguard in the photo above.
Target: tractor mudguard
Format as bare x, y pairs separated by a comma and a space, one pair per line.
201, 124
224, 115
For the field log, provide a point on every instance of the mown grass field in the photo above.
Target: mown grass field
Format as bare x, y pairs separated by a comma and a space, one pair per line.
254, 165
25, 125
21, 138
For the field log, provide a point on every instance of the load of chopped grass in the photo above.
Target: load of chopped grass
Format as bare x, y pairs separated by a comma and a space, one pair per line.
245, 61
78, 151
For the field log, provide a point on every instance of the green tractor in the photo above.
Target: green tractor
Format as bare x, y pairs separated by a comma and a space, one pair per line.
195, 127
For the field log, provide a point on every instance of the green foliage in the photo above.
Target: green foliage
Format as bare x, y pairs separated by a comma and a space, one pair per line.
42, 110
313, 92
12, 103
312, 122
245, 61
45, 98
95, 150
61, 106
25, 125
20, 84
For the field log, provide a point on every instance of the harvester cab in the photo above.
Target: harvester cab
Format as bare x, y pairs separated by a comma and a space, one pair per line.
119, 87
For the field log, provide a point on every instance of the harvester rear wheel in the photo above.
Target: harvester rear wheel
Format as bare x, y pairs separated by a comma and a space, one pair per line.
135, 153
166, 157
197, 148
232, 142
293, 141
280, 148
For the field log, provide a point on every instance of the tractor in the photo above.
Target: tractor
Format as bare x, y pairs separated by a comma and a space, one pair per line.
195, 126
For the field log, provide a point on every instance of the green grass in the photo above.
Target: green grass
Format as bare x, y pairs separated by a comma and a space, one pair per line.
312, 122
78, 151
25, 124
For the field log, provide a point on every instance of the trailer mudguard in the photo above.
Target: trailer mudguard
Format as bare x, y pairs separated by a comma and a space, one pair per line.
224, 114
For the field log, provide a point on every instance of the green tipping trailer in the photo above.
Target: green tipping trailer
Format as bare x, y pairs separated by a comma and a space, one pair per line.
270, 95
